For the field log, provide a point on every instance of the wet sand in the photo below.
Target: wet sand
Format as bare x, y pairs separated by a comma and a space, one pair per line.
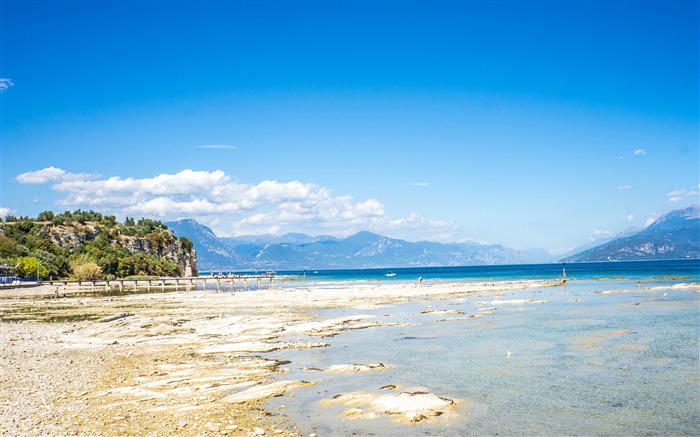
186, 362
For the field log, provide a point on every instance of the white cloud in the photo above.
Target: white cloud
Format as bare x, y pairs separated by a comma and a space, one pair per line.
5, 211
215, 146
234, 208
624, 187
418, 184
40, 176
640, 152
682, 195
51, 174
601, 233
630, 218
5, 84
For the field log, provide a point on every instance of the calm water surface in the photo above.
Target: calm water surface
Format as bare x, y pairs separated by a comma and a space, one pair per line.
586, 362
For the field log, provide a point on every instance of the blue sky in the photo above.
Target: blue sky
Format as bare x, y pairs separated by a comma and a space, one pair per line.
530, 124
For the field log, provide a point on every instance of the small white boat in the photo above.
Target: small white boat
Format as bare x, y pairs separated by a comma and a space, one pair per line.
390, 274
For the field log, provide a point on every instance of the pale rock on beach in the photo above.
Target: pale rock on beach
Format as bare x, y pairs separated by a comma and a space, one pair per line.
185, 363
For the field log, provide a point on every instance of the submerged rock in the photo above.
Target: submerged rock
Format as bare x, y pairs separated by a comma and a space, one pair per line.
349, 368
407, 407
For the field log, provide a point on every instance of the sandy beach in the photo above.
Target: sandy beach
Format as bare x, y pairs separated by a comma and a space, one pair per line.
191, 362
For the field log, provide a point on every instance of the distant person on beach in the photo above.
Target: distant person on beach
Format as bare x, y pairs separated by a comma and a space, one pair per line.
420, 280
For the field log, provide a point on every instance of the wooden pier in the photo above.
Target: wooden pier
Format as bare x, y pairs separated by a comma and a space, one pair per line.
60, 288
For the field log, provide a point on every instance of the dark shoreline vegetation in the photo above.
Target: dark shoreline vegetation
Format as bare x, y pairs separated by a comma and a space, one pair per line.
86, 245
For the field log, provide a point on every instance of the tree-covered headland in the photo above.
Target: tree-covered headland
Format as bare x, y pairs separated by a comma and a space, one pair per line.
86, 245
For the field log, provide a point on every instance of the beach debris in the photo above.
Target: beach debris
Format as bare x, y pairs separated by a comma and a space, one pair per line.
404, 407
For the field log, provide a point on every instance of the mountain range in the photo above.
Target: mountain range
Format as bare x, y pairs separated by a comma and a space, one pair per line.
674, 235
362, 250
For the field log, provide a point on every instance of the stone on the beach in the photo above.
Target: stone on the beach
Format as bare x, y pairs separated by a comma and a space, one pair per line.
407, 407
349, 368
115, 317
513, 302
357, 398
126, 361
256, 346
442, 312
411, 403
358, 414
265, 391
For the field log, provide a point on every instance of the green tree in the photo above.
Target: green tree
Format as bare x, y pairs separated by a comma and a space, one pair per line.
187, 244
110, 221
156, 240
8, 247
109, 264
45, 216
55, 266
125, 267
29, 266
85, 268
25, 225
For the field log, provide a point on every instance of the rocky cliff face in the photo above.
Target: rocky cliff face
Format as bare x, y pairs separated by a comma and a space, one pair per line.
187, 260
74, 235
70, 237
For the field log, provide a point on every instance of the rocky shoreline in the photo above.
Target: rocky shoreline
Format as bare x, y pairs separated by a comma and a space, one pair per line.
184, 363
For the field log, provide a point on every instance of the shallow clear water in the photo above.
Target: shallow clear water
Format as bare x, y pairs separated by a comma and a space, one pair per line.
627, 269
584, 362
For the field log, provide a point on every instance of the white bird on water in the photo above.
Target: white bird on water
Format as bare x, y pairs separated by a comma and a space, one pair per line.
509, 353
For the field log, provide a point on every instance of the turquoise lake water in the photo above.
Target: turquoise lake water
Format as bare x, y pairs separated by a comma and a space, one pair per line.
615, 352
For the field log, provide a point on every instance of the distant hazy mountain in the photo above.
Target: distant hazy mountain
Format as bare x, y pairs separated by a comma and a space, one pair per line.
599, 242
289, 238
674, 235
362, 250
537, 256
214, 252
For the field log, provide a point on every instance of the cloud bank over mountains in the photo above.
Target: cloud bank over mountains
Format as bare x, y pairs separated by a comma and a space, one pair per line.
234, 208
